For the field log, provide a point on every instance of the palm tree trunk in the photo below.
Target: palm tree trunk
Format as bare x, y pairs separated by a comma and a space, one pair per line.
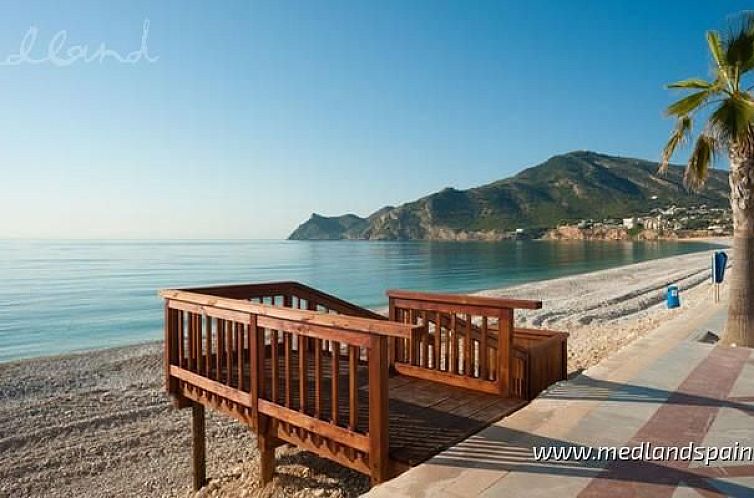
739, 329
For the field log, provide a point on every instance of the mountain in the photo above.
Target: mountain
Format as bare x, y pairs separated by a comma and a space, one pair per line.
565, 188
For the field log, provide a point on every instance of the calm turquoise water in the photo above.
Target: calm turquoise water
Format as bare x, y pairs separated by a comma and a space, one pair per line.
58, 296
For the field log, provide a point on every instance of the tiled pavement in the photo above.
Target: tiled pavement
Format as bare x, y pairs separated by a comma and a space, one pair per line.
666, 389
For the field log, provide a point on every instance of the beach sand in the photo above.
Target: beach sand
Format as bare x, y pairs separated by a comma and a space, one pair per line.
98, 424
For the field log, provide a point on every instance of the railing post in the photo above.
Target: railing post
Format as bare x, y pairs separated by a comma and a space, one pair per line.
505, 350
393, 341
261, 424
378, 409
563, 358
170, 349
256, 367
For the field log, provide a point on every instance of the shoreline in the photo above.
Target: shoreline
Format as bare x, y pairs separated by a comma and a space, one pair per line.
724, 242
86, 423
608, 309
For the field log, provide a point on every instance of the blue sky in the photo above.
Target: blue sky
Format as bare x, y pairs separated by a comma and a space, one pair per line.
257, 114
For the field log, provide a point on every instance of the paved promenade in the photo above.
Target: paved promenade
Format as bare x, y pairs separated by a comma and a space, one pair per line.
666, 389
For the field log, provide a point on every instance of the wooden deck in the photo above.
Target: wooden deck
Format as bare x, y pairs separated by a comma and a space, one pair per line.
424, 417
377, 395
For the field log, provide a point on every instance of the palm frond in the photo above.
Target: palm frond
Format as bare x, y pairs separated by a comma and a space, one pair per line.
688, 104
739, 45
733, 119
716, 48
700, 162
692, 83
680, 135
718, 54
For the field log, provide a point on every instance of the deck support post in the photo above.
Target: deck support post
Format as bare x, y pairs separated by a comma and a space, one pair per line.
378, 409
266, 458
198, 461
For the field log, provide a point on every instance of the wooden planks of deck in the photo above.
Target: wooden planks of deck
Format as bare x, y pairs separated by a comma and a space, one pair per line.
424, 417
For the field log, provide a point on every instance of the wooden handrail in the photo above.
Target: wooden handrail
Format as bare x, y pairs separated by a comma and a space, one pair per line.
354, 323
289, 288
464, 299
245, 291
334, 302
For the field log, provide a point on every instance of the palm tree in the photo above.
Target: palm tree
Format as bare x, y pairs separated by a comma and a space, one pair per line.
726, 106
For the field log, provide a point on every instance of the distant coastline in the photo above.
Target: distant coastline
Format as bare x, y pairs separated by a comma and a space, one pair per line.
624, 234
599, 193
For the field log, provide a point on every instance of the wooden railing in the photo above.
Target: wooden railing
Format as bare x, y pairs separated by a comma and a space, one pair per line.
317, 380
290, 295
540, 357
461, 340
304, 367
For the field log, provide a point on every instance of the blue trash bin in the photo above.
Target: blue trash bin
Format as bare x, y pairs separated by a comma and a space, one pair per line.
672, 298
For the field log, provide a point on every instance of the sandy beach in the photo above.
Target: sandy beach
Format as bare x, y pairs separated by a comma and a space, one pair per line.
97, 424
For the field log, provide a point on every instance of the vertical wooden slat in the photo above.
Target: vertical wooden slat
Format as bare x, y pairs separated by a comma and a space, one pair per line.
412, 353
493, 364
483, 353
318, 378
181, 346
274, 366
199, 353
239, 345
220, 340
208, 345
393, 343
353, 387
335, 366
190, 340
378, 409
436, 346
211, 354
425, 341
467, 367
191, 345
453, 341
397, 353
302, 377
229, 352
287, 372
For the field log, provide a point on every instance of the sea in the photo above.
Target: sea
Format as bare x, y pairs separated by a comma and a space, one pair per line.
60, 296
